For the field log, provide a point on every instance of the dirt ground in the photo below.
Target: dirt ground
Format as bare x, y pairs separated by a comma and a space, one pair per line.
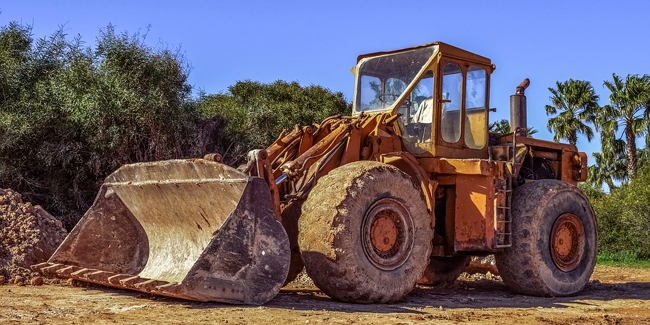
613, 296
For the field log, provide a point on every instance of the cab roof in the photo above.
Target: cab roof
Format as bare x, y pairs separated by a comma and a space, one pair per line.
445, 49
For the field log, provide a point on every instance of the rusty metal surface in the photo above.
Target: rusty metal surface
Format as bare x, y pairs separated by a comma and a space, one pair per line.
458, 166
202, 228
285, 140
518, 120
387, 235
567, 242
570, 167
583, 163
409, 164
474, 226
538, 143
550, 155
298, 165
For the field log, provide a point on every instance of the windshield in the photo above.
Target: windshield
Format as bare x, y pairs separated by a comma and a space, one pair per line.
383, 79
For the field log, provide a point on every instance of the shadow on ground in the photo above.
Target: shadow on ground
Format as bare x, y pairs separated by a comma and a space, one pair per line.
462, 294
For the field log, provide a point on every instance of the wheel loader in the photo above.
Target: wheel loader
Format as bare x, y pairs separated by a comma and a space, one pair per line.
399, 193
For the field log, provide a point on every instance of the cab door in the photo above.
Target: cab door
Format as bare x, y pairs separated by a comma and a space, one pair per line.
462, 121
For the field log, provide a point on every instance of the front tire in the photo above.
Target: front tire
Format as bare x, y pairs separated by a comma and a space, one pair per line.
554, 240
365, 233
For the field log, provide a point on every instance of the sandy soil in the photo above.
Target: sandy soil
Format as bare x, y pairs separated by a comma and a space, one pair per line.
614, 296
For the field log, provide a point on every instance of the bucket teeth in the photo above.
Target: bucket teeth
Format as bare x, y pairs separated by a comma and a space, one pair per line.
39, 266
108, 278
96, 275
65, 269
149, 285
76, 271
130, 282
47, 268
115, 279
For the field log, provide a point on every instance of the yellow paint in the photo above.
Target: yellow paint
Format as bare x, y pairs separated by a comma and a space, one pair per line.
476, 128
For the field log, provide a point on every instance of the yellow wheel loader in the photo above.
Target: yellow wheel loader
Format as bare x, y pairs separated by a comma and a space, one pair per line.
401, 192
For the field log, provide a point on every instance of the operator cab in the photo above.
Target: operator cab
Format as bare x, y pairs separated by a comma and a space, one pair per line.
441, 93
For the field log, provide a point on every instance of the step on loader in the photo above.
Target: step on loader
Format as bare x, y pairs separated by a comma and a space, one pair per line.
400, 193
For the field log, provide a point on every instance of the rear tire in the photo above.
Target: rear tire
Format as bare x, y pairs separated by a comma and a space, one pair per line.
443, 270
365, 233
554, 240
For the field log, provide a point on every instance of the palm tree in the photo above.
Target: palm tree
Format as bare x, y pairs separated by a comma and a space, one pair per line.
577, 103
642, 158
607, 169
503, 127
628, 109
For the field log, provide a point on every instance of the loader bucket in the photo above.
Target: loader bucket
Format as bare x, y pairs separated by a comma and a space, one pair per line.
192, 229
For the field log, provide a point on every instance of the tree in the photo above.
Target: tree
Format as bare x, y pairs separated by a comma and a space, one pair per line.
71, 114
577, 103
503, 126
255, 113
624, 219
607, 169
643, 158
628, 109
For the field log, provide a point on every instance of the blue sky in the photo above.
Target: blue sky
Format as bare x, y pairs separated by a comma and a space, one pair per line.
316, 42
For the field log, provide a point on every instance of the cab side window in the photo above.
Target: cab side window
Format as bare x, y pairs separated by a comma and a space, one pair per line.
422, 114
452, 81
475, 107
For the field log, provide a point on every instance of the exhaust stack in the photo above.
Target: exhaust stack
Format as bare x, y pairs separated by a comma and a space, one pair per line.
518, 123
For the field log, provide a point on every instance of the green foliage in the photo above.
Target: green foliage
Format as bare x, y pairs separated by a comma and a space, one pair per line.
574, 104
257, 113
593, 193
503, 127
628, 109
70, 115
624, 259
608, 168
624, 217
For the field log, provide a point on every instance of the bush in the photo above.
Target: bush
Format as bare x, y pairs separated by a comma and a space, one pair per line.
624, 219
256, 113
70, 114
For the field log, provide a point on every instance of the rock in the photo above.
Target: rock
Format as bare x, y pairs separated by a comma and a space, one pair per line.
37, 281
482, 265
19, 280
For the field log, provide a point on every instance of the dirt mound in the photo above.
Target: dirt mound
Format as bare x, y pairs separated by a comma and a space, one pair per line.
28, 235
303, 280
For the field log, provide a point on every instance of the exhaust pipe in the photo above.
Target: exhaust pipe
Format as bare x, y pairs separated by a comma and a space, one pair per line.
518, 123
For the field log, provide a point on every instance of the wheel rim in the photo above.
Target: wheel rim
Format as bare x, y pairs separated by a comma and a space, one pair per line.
567, 242
387, 234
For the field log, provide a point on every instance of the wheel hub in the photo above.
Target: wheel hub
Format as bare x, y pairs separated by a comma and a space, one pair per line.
387, 234
567, 242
